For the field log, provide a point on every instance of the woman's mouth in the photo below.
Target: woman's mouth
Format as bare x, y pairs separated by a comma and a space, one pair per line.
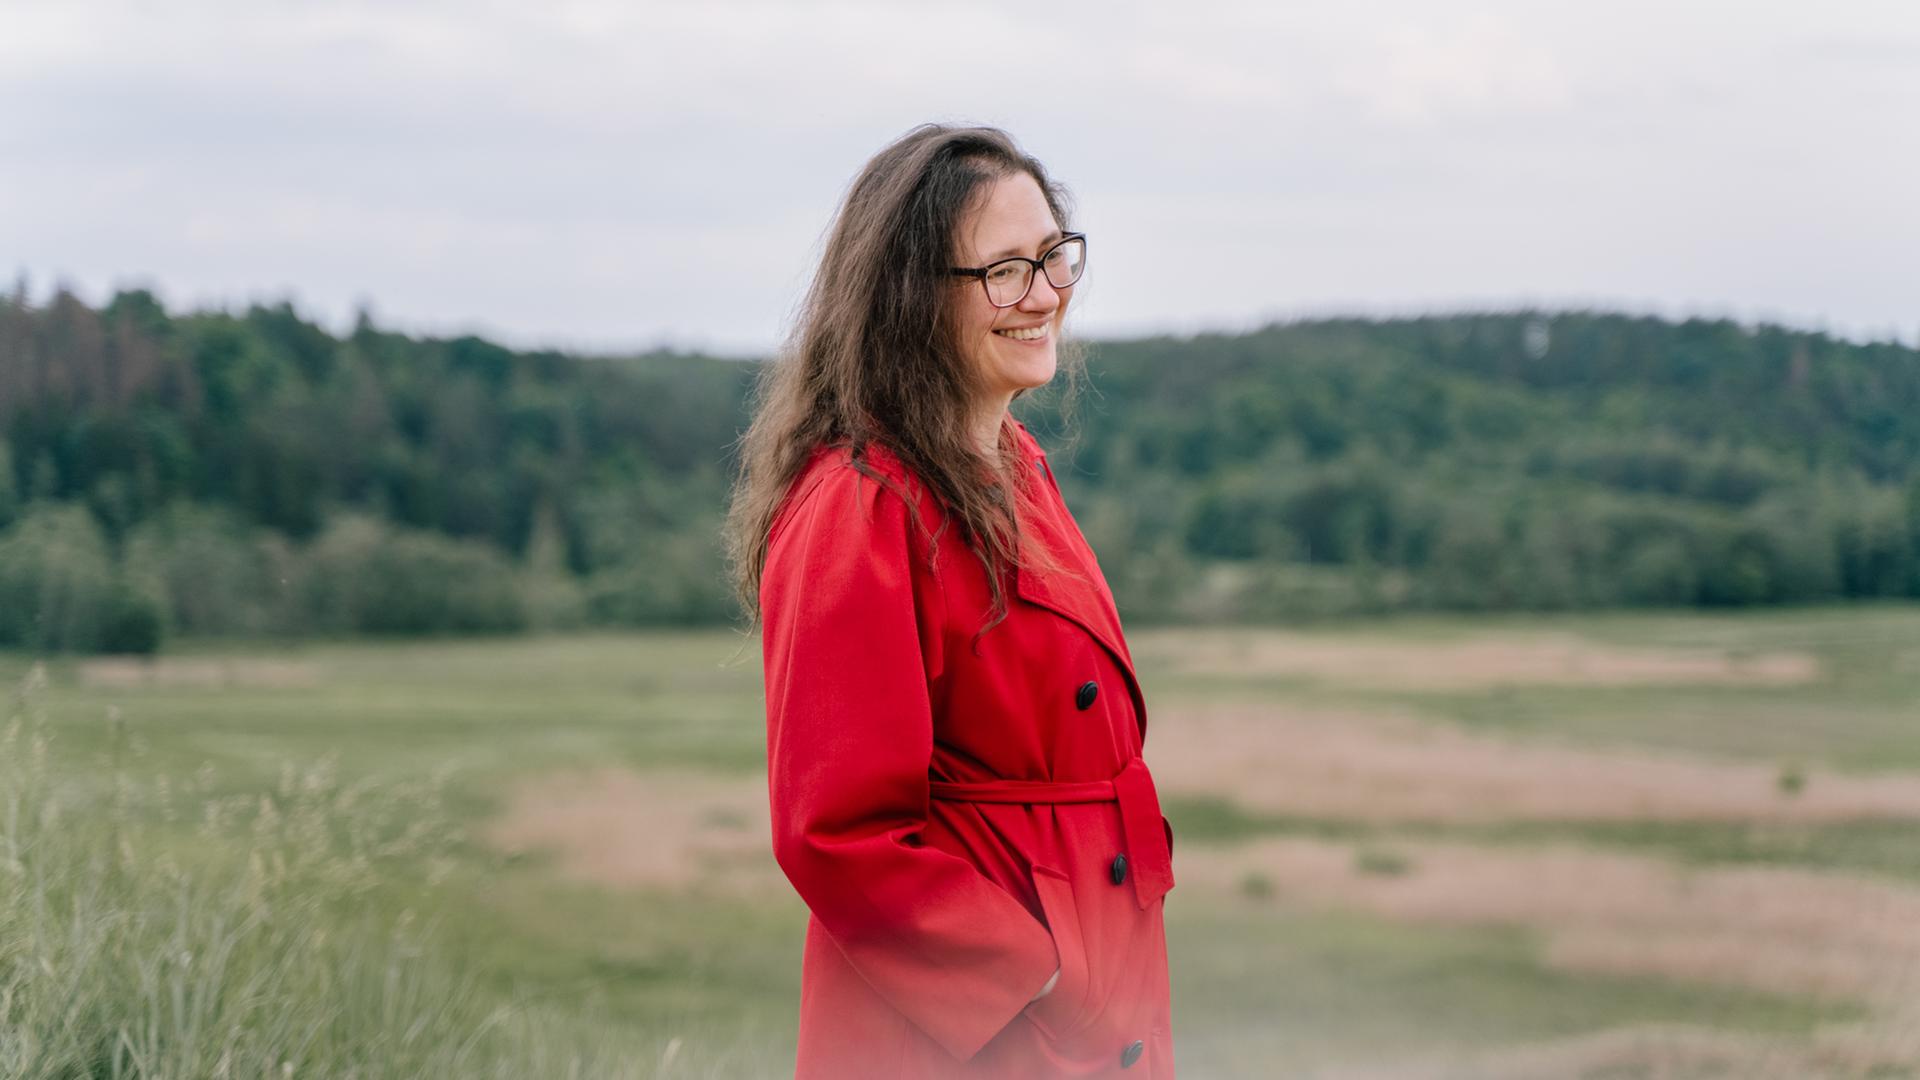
1025, 333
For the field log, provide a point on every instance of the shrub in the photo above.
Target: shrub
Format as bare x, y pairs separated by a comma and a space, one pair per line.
215, 573
60, 591
364, 577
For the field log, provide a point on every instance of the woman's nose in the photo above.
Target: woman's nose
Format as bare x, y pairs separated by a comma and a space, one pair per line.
1042, 296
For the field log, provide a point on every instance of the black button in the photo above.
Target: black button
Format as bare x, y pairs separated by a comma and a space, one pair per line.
1118, 871
1083, 698
1132, 1053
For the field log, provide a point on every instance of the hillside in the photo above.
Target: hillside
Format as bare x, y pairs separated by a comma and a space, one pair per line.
250, 473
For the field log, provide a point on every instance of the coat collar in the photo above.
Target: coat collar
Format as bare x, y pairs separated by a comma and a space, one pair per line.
1084, 598
1028, 443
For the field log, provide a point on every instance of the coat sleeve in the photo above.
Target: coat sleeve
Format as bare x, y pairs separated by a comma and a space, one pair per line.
849, 740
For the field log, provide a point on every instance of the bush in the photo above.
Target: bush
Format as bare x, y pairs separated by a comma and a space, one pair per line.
9, 495
131, 624
214, 573
60, 591
364, 577
682, 582
1658, 570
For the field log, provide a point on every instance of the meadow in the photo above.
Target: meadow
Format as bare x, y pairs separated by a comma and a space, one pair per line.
1598, 845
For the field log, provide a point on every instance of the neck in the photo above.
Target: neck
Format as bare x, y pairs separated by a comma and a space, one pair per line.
986, 426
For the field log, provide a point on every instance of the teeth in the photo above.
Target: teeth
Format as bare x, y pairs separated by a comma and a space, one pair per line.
1032, 333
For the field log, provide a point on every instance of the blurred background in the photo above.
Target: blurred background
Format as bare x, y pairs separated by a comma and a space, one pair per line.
1503, 443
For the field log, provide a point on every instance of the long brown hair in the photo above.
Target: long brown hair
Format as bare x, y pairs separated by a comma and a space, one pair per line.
873, 359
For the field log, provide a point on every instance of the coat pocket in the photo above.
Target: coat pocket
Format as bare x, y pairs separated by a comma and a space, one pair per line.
1063, 1010
1106, 999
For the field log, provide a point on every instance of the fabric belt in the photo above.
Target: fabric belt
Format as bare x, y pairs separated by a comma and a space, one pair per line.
1148, 850
1025, 791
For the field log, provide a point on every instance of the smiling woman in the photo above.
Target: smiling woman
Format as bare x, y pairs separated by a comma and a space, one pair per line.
1010, 328
954, 731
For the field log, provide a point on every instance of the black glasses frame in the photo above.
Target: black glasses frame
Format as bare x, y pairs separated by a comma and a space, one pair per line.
1038, 265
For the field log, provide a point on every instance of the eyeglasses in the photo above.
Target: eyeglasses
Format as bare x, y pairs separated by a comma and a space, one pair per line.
1009, 280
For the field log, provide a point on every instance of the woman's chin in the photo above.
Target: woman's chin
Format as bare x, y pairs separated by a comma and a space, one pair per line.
1035, 377
1030, 371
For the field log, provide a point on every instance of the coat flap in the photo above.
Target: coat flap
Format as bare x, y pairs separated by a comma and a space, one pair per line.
1079, 600
1086, 603
1147, 832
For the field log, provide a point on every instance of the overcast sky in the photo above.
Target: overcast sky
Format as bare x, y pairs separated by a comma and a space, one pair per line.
609, 175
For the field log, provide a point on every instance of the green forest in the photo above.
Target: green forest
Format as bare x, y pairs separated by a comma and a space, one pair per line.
244, 474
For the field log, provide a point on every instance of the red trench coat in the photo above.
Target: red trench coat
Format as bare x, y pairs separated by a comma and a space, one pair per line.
960, 824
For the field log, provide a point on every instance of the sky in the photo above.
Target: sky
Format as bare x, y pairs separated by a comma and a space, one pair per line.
610, 176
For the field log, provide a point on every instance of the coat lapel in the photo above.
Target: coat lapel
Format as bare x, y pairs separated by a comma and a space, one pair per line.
1084, 598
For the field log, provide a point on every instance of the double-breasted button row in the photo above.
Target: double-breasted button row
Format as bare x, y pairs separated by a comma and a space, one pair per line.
1132, 1053
1083, 697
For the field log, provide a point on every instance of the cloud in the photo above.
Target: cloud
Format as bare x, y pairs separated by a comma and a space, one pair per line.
614, 172
1426, 74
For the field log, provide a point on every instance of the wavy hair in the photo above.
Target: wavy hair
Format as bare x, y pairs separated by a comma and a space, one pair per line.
873, 357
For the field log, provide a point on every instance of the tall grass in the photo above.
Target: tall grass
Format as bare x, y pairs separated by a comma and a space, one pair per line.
164, 931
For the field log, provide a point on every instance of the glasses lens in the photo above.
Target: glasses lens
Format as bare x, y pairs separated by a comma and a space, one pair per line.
1007, 281
1065, 262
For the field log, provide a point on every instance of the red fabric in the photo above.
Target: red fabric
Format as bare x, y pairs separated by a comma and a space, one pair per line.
934, 921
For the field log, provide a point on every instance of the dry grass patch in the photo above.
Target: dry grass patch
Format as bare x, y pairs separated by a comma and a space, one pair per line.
627, 829
1386, 767
1671, 1052
1474, 664
1766, 928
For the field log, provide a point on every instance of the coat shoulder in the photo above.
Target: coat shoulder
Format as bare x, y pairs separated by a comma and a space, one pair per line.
832, 473
836, 465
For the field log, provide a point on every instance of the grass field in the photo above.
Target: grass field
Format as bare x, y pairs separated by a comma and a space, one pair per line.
1606, 846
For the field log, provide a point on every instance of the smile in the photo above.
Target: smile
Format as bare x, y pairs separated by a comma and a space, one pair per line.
1030, 333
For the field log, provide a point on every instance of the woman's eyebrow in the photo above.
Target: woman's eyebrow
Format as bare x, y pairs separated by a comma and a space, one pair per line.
1044, 241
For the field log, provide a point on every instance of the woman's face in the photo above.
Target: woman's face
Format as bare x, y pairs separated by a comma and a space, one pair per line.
1011, 348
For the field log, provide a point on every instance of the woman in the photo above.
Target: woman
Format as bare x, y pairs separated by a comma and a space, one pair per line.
954, 727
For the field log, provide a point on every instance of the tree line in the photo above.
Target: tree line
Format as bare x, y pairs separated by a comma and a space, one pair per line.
250, 473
